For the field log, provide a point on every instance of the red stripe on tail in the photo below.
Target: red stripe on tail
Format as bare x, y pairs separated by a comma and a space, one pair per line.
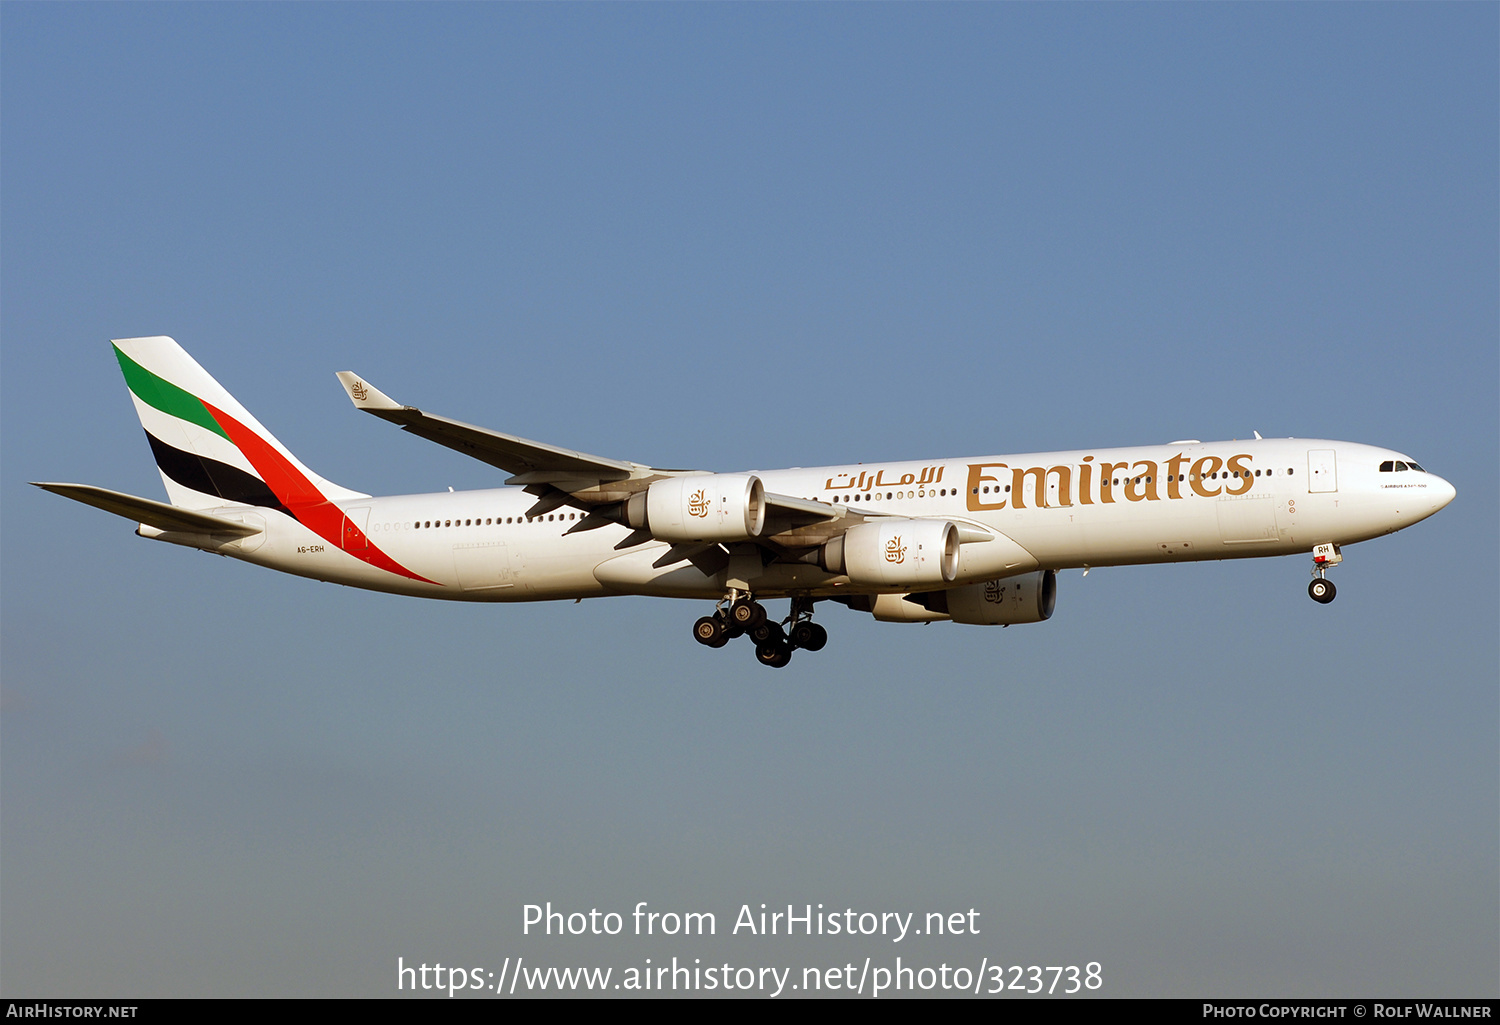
302, 497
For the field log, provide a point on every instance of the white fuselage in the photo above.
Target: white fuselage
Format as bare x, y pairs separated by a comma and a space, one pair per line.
1171, 503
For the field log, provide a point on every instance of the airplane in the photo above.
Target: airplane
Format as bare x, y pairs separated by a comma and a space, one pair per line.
974, 540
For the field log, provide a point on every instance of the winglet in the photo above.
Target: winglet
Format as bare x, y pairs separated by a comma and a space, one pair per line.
364, 395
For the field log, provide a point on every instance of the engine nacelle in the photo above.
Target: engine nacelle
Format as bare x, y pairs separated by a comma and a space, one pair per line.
703, 507
1028, 598
895, 553
894, 608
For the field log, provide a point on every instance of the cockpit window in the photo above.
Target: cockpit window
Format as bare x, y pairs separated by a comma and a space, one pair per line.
1387, 466
1414, 466
1396, 466
1400, 466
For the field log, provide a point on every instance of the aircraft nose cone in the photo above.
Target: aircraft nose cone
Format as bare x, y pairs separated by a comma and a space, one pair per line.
1442, 493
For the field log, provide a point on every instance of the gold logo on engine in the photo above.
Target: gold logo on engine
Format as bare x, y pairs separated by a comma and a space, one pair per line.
993, 592
895, 551
698, 504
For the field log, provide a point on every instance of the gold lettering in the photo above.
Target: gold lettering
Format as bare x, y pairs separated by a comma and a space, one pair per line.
1018, 487
1106, 475
1174, 475
1085, 482
1145, 480
1201, 469
977, 477
1247, 475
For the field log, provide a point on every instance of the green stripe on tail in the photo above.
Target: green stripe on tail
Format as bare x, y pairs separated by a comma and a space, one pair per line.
166, 396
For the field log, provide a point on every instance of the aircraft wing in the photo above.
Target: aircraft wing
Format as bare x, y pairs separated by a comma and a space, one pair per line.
560, 476
518, 456
143, 510
802, 510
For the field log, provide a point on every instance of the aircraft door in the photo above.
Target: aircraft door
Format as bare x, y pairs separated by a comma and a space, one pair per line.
1067, 493
1322, 471
356, 522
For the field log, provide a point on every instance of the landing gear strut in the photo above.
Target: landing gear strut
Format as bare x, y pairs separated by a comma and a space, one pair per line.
1325, 556
739, 613
804, 632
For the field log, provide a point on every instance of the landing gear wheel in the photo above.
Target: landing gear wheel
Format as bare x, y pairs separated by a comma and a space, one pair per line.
710, 631
809, 635
747, 614
774, 653
1321, 591
767, 631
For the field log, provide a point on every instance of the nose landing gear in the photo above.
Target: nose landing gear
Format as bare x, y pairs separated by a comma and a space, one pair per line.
774, 642
1325, 556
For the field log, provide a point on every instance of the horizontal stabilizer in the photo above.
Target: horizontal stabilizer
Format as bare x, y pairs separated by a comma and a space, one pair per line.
143, 510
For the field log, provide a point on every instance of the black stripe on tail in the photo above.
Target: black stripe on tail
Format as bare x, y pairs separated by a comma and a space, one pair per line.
212, 477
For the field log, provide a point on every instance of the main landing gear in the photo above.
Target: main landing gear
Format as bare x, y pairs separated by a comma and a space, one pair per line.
774, 642
1325, 556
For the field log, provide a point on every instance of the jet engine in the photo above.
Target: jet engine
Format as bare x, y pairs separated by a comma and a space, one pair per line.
1027, 598
895, 553
702, 507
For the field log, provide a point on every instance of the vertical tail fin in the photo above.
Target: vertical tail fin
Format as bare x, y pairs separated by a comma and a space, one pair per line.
210, 450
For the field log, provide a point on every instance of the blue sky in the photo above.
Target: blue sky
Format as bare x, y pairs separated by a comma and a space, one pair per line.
750, 236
